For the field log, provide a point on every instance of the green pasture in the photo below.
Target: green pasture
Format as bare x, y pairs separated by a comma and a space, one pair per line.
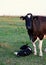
13, 34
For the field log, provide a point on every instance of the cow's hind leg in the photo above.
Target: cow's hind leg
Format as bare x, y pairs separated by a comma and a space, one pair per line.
40, 47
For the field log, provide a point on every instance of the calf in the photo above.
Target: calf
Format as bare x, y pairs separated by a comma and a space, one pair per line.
25, 50
36, 28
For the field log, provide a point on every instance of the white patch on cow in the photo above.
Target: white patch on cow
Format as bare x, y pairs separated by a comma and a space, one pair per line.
28, 16
35, 51
34, 45
40, 47
36, 39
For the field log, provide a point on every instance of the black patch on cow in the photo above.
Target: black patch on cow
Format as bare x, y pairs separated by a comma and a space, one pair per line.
30, 33
28, 22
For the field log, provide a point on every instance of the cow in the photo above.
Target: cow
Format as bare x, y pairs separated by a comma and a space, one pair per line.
36, 28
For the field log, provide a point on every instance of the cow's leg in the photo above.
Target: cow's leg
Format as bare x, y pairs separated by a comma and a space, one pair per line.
34, 45
35, 51
40, 47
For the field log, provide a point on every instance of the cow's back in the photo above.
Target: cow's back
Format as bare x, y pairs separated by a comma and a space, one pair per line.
39, 24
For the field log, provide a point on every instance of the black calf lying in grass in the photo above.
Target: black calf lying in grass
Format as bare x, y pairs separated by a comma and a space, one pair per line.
24, 51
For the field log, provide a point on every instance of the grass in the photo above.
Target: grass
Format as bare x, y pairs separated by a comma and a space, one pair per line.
13, 34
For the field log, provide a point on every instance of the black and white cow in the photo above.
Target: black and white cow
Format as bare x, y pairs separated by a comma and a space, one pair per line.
36, 28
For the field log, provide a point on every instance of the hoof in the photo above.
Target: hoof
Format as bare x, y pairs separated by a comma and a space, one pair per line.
35, 54
40, 55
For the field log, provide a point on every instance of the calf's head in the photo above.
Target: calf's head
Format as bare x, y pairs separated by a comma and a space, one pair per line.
28, 20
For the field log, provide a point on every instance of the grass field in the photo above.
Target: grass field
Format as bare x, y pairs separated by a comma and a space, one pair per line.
13, 34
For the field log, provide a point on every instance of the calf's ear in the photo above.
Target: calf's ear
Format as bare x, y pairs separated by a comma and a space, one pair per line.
22, 17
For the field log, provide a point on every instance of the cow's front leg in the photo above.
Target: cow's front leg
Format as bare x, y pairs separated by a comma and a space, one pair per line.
35, 51
40, 47
34, 45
